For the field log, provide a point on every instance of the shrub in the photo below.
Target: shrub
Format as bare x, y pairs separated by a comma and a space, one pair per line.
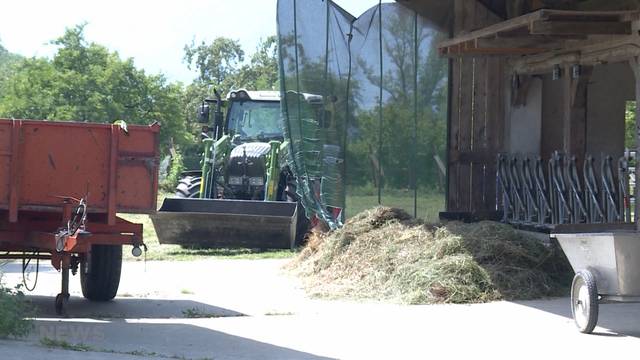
173, 175
15, 313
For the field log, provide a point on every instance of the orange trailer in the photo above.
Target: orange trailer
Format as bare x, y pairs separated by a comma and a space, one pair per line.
61, 186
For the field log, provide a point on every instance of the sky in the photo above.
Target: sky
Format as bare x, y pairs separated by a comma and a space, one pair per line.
153, 33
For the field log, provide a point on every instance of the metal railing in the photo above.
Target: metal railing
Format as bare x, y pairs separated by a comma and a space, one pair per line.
564, 192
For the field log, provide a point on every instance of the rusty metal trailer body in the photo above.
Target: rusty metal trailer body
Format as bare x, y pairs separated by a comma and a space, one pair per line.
57, 174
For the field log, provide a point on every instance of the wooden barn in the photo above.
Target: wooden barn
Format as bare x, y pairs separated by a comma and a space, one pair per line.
541, 96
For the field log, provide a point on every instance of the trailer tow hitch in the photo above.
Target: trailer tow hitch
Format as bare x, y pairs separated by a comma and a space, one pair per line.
66, 238
75, 225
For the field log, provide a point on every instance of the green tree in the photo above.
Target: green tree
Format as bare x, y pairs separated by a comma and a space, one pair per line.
630, 125
7, 62
262, 71
399, 158
7, 59
86, 82
221, 64
217, 62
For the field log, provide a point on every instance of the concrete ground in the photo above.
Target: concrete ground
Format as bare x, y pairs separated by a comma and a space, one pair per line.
253, 310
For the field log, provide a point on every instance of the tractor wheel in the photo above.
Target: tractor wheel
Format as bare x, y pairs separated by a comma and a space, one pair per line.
100, 273
303, 223
189, 187
303, 226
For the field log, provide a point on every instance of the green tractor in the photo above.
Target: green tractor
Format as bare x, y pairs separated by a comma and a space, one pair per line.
245, 194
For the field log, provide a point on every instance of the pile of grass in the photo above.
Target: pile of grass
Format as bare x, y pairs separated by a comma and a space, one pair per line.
385, 254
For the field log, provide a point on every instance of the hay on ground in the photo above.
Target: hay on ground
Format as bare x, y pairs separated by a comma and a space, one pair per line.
385, 254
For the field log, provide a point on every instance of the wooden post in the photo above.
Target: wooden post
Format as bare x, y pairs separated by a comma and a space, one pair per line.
476, 119
575, 112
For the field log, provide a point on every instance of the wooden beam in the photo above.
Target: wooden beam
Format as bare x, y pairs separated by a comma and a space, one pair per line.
622, 15
492, 51
606, 15
575, 112
520, 90
566, 24
597, 53
494, 29
516, 43
580, 28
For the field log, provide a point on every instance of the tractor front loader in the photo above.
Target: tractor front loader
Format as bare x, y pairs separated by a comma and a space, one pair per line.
244, 195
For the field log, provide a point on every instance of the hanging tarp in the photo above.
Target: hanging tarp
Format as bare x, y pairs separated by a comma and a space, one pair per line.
364, 107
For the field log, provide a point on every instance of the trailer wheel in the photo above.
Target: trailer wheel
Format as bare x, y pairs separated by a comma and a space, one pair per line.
60, 302
189, 187
584, 301
303, 224
100, 274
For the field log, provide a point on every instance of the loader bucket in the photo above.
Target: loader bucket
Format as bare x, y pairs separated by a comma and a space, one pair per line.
209, 223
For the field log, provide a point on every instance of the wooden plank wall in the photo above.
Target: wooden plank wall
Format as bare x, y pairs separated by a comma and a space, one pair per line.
477, 119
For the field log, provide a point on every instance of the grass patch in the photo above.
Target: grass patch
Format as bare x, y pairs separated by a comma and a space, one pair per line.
64, 345
15, 313
279, 313
103, 316
61, 344
186, 292
385, 254
197, 313
429, 203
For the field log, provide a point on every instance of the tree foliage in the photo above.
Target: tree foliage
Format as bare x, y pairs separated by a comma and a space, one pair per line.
84, 81
217, 62
630, 125
220, 64
389, 151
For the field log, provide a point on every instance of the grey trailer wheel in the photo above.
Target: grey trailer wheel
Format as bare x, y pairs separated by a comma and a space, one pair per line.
584, 301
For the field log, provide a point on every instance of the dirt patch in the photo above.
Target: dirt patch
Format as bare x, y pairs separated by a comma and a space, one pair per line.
385, 254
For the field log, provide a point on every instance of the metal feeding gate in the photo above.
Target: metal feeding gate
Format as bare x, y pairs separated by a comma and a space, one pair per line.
560, 192
61, 185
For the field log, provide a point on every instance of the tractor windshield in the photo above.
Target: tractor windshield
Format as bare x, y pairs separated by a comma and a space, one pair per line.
255, 120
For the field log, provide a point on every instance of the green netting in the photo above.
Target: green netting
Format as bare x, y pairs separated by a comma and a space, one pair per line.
364, 106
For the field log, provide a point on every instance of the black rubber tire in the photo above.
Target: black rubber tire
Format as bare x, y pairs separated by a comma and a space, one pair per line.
189, 187
303, 225
584, 308
100, 277
59, 305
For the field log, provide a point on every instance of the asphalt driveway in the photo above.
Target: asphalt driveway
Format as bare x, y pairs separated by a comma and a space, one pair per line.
251, 309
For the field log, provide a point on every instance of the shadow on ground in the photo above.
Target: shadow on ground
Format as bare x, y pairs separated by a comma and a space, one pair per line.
130, 308
620, 319
152, 327
161, 339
